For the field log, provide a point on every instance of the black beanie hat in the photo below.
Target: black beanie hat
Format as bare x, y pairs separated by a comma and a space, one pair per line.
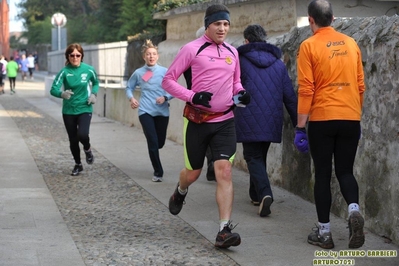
216, 12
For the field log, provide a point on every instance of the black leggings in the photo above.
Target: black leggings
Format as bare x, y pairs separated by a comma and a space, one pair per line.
155, 128
12, 82
340, 139
77, 127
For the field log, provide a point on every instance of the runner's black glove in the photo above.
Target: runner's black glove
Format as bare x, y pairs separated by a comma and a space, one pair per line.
202, 98
245, 98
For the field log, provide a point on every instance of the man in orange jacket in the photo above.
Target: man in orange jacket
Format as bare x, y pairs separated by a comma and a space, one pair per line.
330, 97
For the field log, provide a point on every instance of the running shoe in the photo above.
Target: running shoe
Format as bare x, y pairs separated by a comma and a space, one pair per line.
324, 241
226, 238
176, 201
89, 157
157, 179
77, 169
356, 234
264, 208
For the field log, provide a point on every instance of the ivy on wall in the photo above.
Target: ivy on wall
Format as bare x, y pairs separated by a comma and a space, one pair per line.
165, 5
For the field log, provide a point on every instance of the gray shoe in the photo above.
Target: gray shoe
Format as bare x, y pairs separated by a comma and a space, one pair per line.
356, 234
157, 179
324, 241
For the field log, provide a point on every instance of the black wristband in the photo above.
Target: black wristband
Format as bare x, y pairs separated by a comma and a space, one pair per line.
301, 129
166, 98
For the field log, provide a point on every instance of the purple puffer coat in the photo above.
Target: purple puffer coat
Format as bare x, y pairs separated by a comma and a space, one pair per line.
265, 77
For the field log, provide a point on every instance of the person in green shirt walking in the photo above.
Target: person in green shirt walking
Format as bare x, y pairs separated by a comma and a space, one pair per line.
12, 72
77, 85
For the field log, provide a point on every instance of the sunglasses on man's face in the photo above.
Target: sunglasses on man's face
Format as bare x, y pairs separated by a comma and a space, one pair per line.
75, 55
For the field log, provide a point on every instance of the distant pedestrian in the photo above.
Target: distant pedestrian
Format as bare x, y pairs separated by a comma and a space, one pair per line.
23, 66
259, 124
12, 72
36, 57
3, 72
2, 67
153, 106
330, 96
31, 65
80, 84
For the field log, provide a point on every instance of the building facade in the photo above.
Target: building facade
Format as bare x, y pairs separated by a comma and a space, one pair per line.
4, 28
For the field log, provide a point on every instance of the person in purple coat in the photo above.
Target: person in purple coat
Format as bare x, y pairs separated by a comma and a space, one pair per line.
260, 123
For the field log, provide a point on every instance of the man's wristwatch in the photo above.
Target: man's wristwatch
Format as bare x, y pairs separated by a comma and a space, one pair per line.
166, 98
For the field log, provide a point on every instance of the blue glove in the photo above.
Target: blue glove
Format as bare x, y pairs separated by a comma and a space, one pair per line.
301, 140
202, 98
245, 98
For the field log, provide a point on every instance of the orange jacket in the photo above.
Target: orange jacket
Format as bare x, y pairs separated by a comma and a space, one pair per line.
330, 77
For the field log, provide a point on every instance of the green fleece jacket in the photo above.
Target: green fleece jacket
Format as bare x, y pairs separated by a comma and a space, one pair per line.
82, 81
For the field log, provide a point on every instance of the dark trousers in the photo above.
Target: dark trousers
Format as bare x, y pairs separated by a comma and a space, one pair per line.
338, 140
12, 83
255, 154
78, 127
155, 128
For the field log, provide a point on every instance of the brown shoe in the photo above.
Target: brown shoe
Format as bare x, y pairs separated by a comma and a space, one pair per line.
356, 234
226, 238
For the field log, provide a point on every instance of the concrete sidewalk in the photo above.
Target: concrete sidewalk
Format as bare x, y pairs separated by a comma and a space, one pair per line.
32, 231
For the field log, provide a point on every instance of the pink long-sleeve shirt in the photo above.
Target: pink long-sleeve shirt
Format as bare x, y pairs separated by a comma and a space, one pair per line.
214, 68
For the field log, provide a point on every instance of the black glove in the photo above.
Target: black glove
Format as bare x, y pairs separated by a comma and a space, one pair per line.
202, 98
245, 98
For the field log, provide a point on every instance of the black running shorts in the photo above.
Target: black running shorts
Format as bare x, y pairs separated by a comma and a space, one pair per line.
220, 137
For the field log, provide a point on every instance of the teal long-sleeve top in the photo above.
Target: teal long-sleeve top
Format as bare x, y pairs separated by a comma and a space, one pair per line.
82, 81
150, 90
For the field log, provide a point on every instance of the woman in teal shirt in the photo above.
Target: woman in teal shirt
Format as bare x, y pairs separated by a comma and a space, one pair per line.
77, 84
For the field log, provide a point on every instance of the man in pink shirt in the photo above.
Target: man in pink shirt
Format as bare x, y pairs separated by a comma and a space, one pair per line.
212, 71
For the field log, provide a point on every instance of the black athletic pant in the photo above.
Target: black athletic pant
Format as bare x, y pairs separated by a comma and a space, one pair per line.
155, 129
338, 140
12, 82
77, 127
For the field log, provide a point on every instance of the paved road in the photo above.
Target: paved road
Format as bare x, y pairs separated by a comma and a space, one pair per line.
112, 214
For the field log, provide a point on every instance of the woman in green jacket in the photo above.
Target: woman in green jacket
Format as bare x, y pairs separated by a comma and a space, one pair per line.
77, 84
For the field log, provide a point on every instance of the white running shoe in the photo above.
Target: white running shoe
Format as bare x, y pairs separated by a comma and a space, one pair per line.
157, 179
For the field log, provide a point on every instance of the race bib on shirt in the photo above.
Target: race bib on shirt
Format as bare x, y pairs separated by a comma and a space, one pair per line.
147, 75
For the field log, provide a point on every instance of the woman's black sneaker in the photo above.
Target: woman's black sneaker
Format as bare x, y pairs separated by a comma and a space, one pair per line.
77, 169
89, 157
